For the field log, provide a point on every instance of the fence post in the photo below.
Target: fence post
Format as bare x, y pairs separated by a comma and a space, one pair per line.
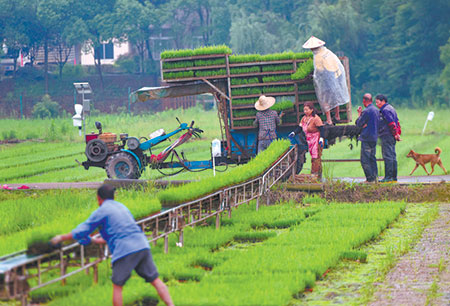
129, 102
21, 107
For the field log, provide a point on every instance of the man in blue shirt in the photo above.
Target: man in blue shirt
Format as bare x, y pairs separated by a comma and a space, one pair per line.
368, 120
128, 245
389, 132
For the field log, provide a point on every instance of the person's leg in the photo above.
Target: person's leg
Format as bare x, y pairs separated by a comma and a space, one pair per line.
373, 160
163, 292
117, 295
328, 114
336, 113
389, 156
366, 161
147, 270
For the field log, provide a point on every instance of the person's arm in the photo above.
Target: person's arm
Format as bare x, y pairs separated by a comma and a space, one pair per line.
278, 118
362, 120
82, 231
60, 238
390, 120
255, 123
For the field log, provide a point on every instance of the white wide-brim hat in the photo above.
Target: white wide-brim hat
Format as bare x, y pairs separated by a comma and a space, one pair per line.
313, 42
264, 103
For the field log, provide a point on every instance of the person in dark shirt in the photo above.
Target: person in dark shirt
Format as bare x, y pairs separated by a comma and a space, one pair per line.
368, 120
126, 241
389, 133
267, 121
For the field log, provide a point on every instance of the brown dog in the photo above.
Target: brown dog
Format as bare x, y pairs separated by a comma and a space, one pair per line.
422, 159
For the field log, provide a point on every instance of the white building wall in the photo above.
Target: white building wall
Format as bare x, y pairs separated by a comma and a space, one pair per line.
120, 48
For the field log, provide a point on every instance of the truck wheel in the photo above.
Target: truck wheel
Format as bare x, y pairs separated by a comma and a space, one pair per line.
122, 166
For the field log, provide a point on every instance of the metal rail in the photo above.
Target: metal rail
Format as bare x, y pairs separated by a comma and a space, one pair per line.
21, 274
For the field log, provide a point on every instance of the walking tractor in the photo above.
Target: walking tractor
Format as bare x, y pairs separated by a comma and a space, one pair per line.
235, 82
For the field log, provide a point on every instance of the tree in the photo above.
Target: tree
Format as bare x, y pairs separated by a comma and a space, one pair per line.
96, 17
135, 21
64, 30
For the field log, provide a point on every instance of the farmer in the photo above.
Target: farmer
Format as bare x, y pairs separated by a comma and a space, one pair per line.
329, 79
389, 132
267, 120
311, 125
128, 244
368, 120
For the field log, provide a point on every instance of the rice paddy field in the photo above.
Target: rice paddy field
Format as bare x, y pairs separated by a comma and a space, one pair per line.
289, 253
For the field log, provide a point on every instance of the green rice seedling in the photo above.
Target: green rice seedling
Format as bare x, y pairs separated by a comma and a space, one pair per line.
253, 236
178, 75
244, 58
244, 70
304, 69
278, 56
306, 87
239, 174
70, 151
18, 171
313, 199
246, 122
282, 67
211, 62
308, 97
176, 53
244, 113
180, 64
267, 273
244, 81
10, 153
283, 106
276, 78
218, 49
243, 101
303, 55
271, 89
245, 91
355, 255
200, 73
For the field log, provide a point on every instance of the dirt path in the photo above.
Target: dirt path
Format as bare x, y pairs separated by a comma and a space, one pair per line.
421, 277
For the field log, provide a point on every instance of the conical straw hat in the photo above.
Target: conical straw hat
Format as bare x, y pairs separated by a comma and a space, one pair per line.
264, 103
313, 42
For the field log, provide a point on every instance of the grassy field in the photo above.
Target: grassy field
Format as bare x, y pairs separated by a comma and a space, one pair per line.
53, 158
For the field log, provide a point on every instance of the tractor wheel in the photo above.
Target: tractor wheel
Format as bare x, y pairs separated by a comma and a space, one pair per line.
122, 166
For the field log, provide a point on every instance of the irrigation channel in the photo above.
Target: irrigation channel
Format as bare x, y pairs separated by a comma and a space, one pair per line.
17, 269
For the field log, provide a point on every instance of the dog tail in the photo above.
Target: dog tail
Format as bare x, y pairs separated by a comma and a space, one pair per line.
438, 151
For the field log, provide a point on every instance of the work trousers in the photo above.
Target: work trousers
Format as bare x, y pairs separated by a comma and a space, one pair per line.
390, 158
369, 160
263, 144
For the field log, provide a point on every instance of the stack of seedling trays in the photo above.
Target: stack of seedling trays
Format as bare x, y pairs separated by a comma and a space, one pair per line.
190, 65
286, 76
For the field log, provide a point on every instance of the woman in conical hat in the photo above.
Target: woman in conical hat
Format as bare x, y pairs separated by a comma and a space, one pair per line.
329, 78
267, 121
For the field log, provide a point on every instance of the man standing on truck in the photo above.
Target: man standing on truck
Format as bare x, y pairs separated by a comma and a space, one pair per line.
127, 243
329, 79
267, 120
368, 120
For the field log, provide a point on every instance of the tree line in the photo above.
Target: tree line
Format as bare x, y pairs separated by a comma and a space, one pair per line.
397, 47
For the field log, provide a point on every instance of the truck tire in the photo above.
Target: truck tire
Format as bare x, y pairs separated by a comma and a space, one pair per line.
122, 166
